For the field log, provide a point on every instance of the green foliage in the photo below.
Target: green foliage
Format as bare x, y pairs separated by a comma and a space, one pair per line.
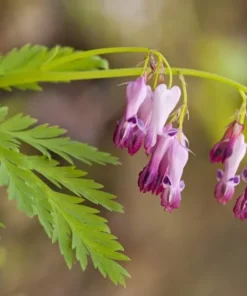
41, 187
24, 68
59, 202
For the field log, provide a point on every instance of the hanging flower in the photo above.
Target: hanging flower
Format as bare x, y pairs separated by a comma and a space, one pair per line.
227, 179
163, 173
177, 158
224, 148
131, 129
150, 178
240, 208
164, 101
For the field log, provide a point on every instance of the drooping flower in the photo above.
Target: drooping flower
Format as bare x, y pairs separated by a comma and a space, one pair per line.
240, 208
131, 129
177, 157
224, 148
150, 178
143, 121
164, 101
163, 173
227, 179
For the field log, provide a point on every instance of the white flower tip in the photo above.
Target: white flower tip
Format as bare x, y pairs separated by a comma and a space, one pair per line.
160, 88
175, 92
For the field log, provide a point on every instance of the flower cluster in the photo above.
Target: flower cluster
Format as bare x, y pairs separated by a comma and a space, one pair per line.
145, 124
230, 151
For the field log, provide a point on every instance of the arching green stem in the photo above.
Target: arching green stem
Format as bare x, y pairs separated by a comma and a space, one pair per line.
242, 111
157, 74
46, 74
51, 76
184, 107
132, 72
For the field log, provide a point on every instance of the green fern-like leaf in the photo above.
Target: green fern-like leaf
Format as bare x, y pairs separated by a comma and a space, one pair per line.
48, 139
23, 68
78, 229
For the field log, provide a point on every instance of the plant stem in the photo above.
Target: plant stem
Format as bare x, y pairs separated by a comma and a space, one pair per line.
50, 76
157, 74
120, 72
184, 107
242, 111
208, 75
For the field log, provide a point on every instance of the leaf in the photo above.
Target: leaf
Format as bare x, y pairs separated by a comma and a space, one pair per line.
71, 178
64, 237
48, 139
78, 228
17, 66
58, 204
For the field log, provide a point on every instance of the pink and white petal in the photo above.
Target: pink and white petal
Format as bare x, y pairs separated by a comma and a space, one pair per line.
232, 163
240, 208
136, 93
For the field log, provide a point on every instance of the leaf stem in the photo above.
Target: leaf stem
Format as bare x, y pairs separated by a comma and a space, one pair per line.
94, 52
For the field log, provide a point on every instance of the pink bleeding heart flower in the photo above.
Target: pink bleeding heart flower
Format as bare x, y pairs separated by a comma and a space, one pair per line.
150, 178
227, 179
177, 158
240, 208
130, 131
224, 148
164, 101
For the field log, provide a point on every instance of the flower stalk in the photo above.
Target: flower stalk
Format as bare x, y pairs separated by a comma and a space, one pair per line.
184, 108
242, 111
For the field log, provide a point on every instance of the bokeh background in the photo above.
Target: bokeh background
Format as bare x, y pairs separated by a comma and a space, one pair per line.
200, 249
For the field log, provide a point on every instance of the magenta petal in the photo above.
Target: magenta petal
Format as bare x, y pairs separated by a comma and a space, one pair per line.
224, 148
240, 208
221, 151
235, 180
130, 132
224, 191
177, 158
147, 179
136, 142
117, 133
170, 199
244, 175
150, 178
228, 179
167, 182
219, 175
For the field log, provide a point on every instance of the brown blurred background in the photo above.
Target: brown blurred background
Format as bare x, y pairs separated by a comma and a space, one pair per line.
200, 249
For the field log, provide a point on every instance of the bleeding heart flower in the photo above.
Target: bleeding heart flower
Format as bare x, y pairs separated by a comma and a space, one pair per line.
224, 148
227, 179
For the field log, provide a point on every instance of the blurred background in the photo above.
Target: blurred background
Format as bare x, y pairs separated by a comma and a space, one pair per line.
200, 249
